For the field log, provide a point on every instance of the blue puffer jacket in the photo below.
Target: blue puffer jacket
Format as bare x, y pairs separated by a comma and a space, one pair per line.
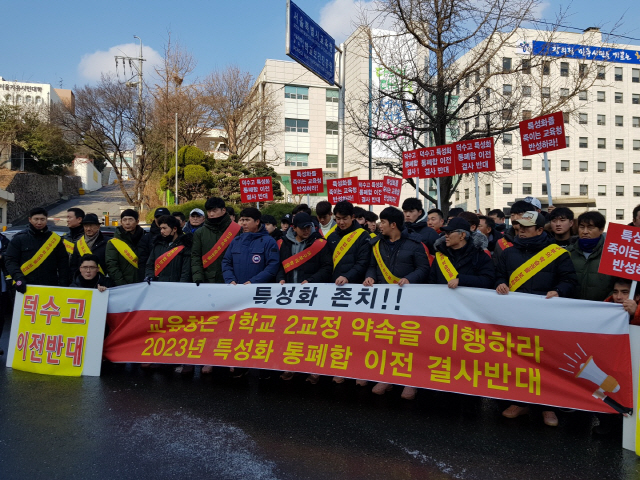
251, 257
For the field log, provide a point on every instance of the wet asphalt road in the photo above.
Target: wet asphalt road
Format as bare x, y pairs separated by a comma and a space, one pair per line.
131, 424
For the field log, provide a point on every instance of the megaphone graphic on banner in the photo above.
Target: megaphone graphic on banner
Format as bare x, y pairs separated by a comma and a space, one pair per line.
590, 371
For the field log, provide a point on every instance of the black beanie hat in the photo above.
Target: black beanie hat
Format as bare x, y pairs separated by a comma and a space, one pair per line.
129, 212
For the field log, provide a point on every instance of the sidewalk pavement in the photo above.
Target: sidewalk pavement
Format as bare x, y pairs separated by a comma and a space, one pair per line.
108, 199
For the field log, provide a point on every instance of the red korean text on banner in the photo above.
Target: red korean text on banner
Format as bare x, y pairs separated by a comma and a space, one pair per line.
343, 189
621, 252
258, 189
543, 134
371, 192
391, 190
474, 156
306, 181
431, 162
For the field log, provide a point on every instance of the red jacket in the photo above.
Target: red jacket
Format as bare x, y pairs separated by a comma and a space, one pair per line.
635, 320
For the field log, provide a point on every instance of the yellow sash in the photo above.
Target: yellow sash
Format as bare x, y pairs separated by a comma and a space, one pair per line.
125, 251
84, 249
331, 230
532, 266
344, 246
69, 246
41, 255
386, 273
446, 267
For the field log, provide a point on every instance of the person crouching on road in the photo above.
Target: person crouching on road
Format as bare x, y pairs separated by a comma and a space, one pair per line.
398, 257
305, 257
89, 275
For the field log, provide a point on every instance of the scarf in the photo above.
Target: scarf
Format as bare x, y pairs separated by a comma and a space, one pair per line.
588, 244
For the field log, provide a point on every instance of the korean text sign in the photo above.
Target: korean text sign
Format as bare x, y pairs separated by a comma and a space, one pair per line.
621, 252
543, 134
371, 192
391, 190
343, 189
257, 189
475, 156
58, 331
430, 162
308, 180
419, 335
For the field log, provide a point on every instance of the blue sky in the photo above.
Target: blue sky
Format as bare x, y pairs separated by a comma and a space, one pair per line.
67, 43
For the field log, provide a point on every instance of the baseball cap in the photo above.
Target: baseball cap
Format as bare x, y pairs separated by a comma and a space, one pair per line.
533, 201
286, 218
196, 211
530, 219
457, 223
161, 211
302, 220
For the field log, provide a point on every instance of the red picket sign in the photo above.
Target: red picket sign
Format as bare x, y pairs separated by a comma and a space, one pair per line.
371, 192
621, 252
308, 180
256, 189
475, 156
543, 134
430, 162
343, 189
391, 191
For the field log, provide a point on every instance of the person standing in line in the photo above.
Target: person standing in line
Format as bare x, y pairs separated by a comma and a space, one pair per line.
270, 224
122, 253
435, 219
498, 217
181, 218
196, 221
325, 218
92, 242
517, 210
561, 226
415, 219
372, 223
74, 222
487, 227
232, 213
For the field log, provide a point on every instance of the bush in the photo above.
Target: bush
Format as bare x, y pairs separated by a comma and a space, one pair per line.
278, 210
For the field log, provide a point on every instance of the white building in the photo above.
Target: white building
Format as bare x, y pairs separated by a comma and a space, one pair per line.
600, 168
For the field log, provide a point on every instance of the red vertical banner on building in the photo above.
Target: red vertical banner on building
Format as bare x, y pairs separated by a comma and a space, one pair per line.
343, 189
257, 189
391, 190
308, 180
543, 134
371, 192
474, 156
431, 162
621, 252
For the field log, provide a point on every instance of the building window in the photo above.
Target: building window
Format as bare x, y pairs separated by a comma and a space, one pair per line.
526, 164
296, 125
582, 95
635, 75
506, 89
526, 66
636, 191
526, 91
565, 165
457, 196
292, 159
603, 212
564, 189
584, 190
332, 128
602, 190
568, 139
506, 65
602, 143
636, 168
619, 214
487, 92
583, 118
487, 189
619, 167
617, 97
506, 114
332, 161
564, 92
506, 164
635, 122
635, 98
619, 190
296, 93
545, 92
542, 162
619, 121
617, 76
602, 167
564, 69
582, 70
333, 96
507, 138
477, 122
477, 76
583, 166
526, 114
601, 72
602, 119
619, 144
565, 117
526, 189
583, 142
546, 67
506, 189
466, 194
601, 96
466, 127
636, 144
544, 189
38, 100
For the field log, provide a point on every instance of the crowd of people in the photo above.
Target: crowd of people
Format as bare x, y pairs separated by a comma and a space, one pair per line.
342, 244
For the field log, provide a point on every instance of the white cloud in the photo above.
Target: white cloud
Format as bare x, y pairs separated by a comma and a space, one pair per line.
93, 65
340, 17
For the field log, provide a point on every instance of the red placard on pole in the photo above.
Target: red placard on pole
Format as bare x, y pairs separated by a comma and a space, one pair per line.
308, 180
256, 189
474, 156
391, 190
430, 162
621, 252
543, 134
343, 189
371, 192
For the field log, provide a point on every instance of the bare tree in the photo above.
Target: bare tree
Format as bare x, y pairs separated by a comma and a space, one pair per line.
441, 77
247, 113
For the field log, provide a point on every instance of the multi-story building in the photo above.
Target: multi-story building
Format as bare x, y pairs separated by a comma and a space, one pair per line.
600, 168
